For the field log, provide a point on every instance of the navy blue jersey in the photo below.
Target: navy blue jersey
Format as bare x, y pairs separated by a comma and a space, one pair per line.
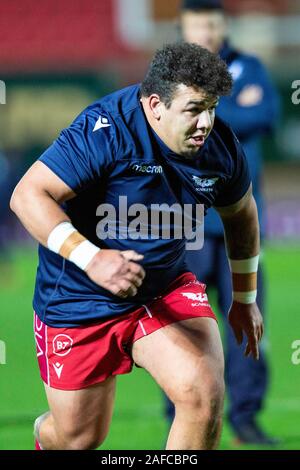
108, 152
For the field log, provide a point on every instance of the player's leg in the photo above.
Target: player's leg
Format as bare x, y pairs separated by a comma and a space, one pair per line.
79, 419
186, 359
79, 366
201, 263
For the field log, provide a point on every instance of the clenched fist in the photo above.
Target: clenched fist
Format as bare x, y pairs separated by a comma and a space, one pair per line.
117, 271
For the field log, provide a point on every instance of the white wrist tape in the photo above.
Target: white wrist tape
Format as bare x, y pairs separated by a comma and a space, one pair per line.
245, 297
82, 252
244, 266
244, 277
59, 235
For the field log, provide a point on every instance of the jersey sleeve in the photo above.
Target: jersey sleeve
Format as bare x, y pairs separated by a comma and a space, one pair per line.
83, 152
239, 182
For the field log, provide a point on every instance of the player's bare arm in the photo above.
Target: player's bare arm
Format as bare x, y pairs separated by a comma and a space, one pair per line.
242, 242
36, 201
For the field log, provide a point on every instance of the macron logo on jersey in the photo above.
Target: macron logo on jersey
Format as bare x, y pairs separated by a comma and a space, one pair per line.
102, 122
147, 168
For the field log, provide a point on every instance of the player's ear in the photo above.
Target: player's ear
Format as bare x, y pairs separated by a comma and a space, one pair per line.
155, 106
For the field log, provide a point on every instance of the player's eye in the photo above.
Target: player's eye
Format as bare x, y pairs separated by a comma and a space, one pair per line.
193, 110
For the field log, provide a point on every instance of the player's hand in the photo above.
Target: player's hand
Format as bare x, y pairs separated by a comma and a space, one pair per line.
117, 271
246, 319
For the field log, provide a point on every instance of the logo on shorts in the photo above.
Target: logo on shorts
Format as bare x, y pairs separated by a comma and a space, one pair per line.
62, 345
199, 299
58, 368
192, 296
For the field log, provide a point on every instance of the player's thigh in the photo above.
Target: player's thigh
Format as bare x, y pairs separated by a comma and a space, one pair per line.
90, 408
185, 357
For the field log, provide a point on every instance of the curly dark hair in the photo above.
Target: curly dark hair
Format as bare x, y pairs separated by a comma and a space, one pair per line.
188, 64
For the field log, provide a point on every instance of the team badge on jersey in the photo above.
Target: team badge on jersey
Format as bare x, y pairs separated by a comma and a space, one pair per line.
204, 184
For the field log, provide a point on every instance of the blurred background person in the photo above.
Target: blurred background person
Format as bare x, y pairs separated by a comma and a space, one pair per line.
251, 110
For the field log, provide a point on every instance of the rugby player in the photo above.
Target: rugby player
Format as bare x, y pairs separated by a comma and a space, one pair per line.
104, 304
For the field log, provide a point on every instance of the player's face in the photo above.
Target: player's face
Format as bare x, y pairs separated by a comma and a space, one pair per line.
207, 29
187, 123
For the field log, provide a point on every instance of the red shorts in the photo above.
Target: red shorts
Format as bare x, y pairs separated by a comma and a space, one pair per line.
75, 358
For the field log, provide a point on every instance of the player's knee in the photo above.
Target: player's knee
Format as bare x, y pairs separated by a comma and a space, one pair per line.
211, 409
202, 399
83, 442
204, 407
83, 439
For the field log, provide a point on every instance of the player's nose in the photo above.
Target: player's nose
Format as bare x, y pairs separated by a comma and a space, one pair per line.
204, 121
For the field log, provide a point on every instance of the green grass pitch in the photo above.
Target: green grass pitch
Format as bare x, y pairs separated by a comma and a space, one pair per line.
138, 421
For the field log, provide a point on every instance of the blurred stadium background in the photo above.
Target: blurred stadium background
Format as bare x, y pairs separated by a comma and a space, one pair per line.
58, 56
